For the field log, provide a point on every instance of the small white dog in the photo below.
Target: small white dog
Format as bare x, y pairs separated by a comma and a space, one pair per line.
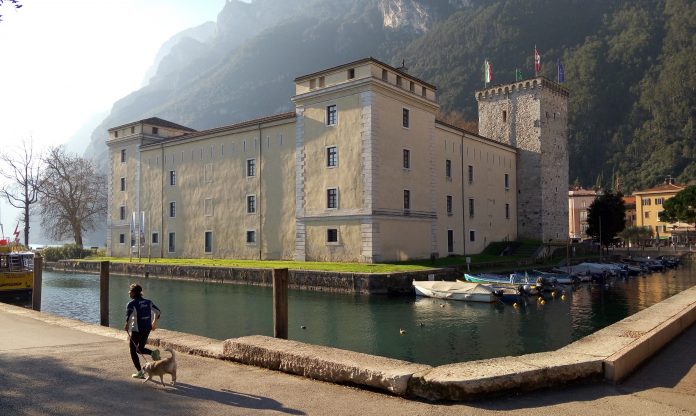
161, 367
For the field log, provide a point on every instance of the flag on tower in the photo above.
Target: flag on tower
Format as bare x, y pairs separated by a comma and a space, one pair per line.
518, 75
561, 73
537, 61
16, 234
487, 72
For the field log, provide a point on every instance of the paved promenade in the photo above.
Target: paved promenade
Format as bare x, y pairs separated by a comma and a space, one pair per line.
48, 369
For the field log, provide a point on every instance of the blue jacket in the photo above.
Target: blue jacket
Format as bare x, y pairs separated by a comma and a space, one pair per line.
139, 314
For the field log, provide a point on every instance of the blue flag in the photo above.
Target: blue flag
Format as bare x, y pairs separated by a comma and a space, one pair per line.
561, 74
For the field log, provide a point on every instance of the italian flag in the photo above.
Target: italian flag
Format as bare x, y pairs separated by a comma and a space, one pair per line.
487, 73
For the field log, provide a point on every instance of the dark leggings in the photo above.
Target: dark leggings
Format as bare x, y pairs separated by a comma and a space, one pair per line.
138, 339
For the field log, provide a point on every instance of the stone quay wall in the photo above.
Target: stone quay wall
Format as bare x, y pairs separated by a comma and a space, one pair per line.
362, 283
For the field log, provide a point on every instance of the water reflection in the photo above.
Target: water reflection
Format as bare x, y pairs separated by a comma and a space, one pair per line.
436, 331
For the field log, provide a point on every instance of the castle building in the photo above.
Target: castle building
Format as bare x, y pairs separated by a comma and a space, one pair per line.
361, 171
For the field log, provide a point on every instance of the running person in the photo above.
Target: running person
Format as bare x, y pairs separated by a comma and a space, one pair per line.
141, 318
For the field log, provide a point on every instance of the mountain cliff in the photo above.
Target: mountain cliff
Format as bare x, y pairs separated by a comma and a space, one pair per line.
628, 65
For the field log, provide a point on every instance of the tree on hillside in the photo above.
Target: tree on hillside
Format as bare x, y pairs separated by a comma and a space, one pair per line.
681, 207
22, 169
605, 217
73, 195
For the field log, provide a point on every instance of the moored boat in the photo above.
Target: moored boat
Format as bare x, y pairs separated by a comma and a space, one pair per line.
16, 270
466, 291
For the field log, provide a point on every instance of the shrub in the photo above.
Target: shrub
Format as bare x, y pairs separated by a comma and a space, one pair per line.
68, 251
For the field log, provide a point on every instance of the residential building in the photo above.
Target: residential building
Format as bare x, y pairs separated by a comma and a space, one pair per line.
649, 204
579, 201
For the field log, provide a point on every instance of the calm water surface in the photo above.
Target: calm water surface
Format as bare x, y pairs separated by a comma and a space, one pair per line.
437, 332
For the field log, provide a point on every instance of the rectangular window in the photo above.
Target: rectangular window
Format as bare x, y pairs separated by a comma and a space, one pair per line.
331, 156
332, 198
504, 116
424, 91
122, 239
155, 239
172, 242
385, 75
449, 204
407, 200
116, 134
251, 204
322, 81
407, 159
659, 201
448, 169
398, 80
312, 83
331, 115
208, 172
123, 155
450, 241
471, 174
507, 181
172, 209
646, 214
133, 130
208, 242
155, 130
122, 212
208, 207
251, 237
664, 228
351, 73
332, 235
645, 201
471, 207
412, 86
251, 168
507, 211
172, 178
123, 184
405, 117
472, 235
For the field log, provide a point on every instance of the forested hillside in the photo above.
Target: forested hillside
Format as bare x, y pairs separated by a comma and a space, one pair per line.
629, 65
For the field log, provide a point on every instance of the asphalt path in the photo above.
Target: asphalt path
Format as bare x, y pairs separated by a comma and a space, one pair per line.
52, 370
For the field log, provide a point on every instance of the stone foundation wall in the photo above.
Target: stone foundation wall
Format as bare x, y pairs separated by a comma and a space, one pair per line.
363, 283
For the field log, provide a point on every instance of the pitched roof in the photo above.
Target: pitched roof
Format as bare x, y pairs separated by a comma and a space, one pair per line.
665, 187
362, 61
156, 121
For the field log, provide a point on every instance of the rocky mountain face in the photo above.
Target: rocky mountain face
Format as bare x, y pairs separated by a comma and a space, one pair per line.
628, 65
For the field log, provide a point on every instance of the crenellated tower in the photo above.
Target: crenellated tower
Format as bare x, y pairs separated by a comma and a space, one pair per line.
532, 115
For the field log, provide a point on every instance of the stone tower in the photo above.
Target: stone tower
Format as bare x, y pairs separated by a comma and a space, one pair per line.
532, 115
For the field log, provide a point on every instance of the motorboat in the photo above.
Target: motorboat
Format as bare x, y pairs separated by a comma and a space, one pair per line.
465, 291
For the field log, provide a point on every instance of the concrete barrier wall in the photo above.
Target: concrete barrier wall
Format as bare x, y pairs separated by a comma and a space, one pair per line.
364, 283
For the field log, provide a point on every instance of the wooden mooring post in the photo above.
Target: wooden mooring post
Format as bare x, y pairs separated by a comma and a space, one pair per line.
280, 303
36, 286
104, 293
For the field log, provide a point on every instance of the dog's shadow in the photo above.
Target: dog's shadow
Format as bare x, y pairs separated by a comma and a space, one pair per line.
230, 398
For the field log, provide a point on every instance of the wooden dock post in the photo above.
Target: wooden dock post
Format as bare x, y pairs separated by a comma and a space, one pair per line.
104, 293
280, 303
36, 286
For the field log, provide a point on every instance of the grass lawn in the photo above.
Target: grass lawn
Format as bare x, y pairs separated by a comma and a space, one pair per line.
278, 264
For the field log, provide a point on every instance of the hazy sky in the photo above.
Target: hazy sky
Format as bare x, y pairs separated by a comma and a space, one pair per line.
64, 60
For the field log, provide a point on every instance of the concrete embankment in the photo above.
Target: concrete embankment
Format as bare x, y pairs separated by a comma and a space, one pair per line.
611, 353
364, 283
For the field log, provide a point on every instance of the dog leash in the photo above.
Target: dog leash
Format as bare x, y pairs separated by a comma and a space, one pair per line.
137, 349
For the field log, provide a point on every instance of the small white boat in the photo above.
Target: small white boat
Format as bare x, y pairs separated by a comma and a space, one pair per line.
471, 292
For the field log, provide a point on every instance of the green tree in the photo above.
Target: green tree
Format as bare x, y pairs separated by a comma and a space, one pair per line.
681, 207
636, 235
605, 217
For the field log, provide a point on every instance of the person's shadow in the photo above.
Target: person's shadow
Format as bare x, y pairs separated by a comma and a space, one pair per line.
231, 398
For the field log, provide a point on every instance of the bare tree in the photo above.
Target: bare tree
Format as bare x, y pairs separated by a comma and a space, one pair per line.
73, 195
22, 169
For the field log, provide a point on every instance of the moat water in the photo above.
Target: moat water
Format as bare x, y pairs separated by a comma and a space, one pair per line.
437, 332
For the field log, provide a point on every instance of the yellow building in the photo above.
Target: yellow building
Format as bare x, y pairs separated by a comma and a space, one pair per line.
361, 171
649, 204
